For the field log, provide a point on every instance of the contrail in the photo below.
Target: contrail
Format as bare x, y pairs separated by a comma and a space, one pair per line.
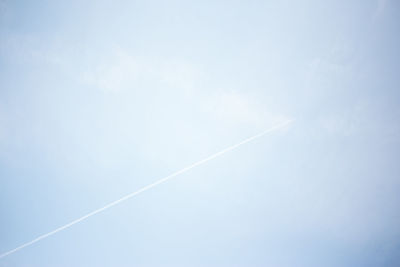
162, 180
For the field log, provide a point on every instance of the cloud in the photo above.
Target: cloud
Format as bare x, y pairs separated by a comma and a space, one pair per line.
179, 80
233, 107
4, 11
116, 74
166, 109
380, 9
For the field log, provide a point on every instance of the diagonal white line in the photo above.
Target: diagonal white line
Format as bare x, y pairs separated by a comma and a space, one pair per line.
160, 181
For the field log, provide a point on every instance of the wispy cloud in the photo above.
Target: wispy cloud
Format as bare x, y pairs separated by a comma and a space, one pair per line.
380, 9
238, 108
152, 85
118, 72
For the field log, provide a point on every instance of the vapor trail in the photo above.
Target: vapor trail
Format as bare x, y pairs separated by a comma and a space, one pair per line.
162, 180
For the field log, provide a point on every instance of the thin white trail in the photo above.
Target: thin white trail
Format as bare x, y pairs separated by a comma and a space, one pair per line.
160, 181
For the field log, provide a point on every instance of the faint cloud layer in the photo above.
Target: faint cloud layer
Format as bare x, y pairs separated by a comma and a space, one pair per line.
97, 99
181, 80
380, 9
182, 117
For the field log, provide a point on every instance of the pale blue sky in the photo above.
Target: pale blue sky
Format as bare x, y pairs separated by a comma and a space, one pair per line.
98, 99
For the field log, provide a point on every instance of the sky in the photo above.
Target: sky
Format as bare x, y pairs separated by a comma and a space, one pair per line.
101, 98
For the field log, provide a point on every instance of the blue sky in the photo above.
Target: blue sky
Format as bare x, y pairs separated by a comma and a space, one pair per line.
101, 98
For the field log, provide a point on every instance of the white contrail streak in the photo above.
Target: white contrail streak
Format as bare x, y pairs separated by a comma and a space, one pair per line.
162, 180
